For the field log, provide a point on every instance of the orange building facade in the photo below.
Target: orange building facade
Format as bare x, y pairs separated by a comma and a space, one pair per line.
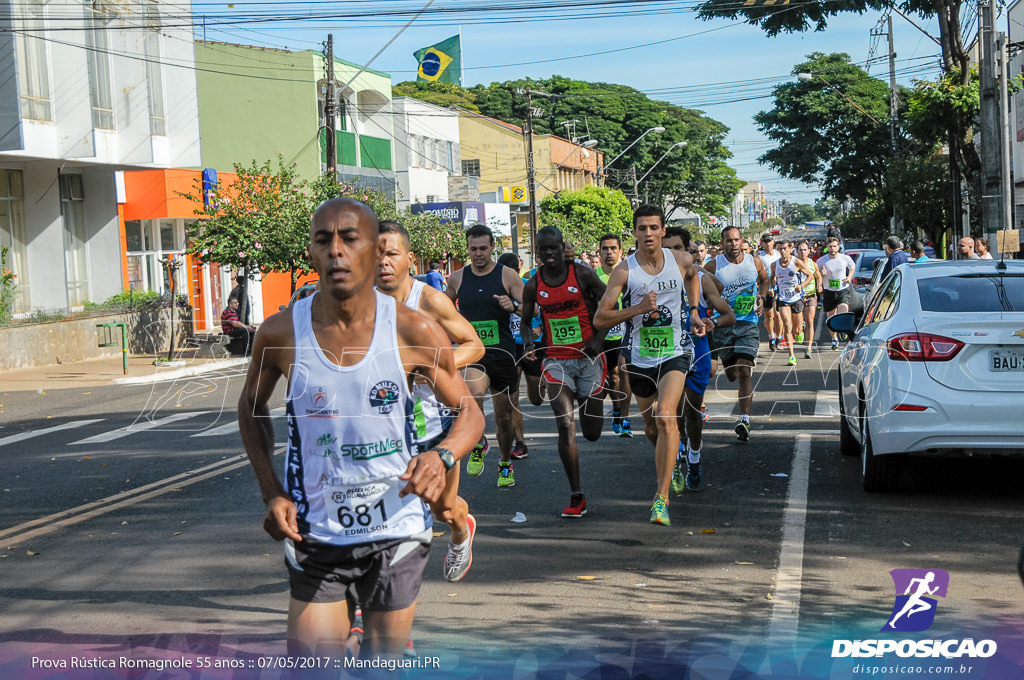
155, 221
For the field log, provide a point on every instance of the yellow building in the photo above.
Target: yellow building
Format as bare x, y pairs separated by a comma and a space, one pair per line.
495, 153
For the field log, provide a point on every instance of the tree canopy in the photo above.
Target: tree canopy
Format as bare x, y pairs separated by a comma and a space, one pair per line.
697, 177
585, 215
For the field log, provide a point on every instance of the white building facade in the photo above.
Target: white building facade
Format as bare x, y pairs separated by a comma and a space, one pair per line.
426, 151
89, 88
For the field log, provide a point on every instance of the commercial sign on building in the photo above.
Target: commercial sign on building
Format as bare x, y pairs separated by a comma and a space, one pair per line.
466, 213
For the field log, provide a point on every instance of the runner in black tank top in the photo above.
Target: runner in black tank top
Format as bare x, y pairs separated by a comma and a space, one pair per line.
486, 294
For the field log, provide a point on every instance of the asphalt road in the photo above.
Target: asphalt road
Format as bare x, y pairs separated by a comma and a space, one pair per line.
150, 537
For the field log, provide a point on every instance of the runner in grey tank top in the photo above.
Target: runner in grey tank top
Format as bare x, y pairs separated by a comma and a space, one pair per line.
351, 507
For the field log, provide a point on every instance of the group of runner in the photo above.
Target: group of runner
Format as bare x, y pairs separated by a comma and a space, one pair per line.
387, 379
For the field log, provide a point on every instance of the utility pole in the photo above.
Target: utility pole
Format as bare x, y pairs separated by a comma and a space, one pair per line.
636, 188
1002, 47
330, 112
991, 132
531, 175
894, 108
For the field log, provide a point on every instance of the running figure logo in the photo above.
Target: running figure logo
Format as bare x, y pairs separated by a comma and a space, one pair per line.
913, 609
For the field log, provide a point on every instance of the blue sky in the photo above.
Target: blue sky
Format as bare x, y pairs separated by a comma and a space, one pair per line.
699, 64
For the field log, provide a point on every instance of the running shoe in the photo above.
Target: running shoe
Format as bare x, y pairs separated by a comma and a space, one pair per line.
807, 354
835, 345
409, 652
781, 344
506, 476
771, 344
704, 413
791, 361
693, 475
460, 557
617, 425
678, 478
743, 431
577, 506
476, 458
519, 451
799, 337
626, 431
659, 512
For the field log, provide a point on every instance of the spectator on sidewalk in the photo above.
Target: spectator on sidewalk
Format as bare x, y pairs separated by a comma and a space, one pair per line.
917, 252
897, 256
240, 333
236, 293
966, 248
981, 247
435, 277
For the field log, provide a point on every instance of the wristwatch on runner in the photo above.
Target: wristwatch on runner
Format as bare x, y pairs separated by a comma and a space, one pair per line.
447, 458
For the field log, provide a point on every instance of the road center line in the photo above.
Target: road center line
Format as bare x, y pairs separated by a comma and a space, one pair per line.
119, 500
785, 617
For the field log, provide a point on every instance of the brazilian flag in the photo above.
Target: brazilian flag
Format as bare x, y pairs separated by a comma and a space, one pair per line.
441, 62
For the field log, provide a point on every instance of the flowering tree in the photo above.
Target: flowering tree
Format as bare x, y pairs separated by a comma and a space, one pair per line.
259, 222
431, 239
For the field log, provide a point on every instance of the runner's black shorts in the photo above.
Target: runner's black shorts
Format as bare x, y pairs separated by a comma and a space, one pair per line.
834, 298
381, 576
530, 368
797, 306
644, 381
612, 350
500, 367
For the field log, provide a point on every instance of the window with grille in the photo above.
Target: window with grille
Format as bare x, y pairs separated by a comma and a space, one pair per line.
471, 168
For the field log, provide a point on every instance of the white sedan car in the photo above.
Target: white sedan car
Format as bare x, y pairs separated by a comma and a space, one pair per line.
935, 366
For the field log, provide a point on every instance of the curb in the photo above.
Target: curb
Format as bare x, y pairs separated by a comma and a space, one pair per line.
186, 372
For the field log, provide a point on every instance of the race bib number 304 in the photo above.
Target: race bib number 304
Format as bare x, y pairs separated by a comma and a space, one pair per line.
487, 331
361, 509
656, 342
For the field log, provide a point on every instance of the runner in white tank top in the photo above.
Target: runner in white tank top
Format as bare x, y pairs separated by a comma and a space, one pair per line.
431, 418
653, 281
351, 504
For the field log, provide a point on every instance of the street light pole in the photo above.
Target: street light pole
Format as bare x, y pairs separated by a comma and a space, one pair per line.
681, 145
657, 130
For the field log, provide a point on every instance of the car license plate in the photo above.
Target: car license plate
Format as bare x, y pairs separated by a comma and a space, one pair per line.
1006, 360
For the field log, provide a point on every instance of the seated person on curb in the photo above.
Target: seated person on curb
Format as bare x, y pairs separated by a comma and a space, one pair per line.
241, 334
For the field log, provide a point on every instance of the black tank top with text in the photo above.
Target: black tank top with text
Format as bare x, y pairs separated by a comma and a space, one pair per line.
477, 303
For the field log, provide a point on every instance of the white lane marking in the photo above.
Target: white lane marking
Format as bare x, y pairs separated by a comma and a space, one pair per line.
14, 438
232, 427
139, 426
71, 516
826, 404
785, 616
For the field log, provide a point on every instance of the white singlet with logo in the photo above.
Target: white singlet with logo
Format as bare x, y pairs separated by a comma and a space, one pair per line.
834, 270
658, 336
350, 438
430, 417
790, 281
739, 285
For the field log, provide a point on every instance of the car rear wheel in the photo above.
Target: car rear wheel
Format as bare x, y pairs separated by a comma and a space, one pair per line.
847, 444
877, 473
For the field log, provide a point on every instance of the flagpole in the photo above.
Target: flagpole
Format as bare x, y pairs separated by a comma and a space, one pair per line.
462, 61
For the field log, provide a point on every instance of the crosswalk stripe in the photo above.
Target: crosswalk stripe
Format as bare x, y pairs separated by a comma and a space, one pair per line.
135, 427
232, 427
826, 404
14, 438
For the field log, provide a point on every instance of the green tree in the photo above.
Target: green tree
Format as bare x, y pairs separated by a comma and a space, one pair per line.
441, 94
585, 215
823, 137
430, 237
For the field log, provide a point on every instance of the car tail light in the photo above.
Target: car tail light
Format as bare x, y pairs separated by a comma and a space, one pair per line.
910, 407
861, 280
923, 347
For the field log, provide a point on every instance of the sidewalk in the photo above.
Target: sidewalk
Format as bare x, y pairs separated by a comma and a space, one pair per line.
109, 371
